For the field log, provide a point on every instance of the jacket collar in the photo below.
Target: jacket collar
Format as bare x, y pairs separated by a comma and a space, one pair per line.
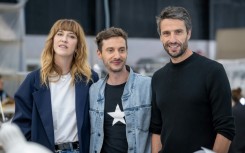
42, 100
127, 89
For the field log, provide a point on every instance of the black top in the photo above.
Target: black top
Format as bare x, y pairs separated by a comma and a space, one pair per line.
115, 140
191, 103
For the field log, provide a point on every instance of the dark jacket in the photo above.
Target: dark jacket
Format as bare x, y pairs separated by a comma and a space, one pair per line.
33, 112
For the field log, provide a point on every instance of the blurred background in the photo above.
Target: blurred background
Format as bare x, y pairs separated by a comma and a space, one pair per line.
218, 33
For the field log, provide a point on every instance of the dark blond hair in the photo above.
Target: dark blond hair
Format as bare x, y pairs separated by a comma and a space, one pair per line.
80, 67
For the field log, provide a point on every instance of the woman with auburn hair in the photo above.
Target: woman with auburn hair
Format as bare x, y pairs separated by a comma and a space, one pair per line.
52, 103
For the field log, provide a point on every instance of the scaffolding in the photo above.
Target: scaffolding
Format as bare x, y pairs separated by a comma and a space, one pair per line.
12, 32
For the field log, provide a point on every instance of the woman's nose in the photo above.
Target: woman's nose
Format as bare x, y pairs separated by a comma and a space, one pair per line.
64, 39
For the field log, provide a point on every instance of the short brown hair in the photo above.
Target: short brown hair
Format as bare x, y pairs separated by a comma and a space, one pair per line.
108, 33
173, 12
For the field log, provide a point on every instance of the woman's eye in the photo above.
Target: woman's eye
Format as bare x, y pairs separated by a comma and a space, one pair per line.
73, 37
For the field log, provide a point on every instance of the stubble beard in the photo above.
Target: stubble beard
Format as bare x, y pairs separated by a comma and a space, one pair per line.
182, 50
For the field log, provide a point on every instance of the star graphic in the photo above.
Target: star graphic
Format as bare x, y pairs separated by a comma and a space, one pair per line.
117, 115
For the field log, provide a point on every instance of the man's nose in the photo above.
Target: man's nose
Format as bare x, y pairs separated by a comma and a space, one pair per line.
117, 54
172, 38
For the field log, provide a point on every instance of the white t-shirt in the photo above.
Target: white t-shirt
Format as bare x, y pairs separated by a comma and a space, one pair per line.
63, 110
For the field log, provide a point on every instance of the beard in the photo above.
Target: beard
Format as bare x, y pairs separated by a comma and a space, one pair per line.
183, 48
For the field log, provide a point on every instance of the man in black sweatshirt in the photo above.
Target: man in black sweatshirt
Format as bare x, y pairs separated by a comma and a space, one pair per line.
191, 95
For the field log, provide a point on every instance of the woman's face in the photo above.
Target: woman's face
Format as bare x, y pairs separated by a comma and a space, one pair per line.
65, 44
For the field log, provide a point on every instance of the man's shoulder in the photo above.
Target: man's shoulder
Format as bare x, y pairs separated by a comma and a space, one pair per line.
161, 71
209, 64
98, 83
142, 78
206, 60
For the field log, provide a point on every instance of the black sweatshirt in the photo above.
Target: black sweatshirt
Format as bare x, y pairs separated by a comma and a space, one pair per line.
191, 103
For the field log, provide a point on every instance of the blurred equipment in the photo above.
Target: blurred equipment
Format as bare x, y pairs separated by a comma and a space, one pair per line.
235, 70
237, 96
97, 69
230, 43
100, 70
147, 66
7, 109
13, 141
2, 113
